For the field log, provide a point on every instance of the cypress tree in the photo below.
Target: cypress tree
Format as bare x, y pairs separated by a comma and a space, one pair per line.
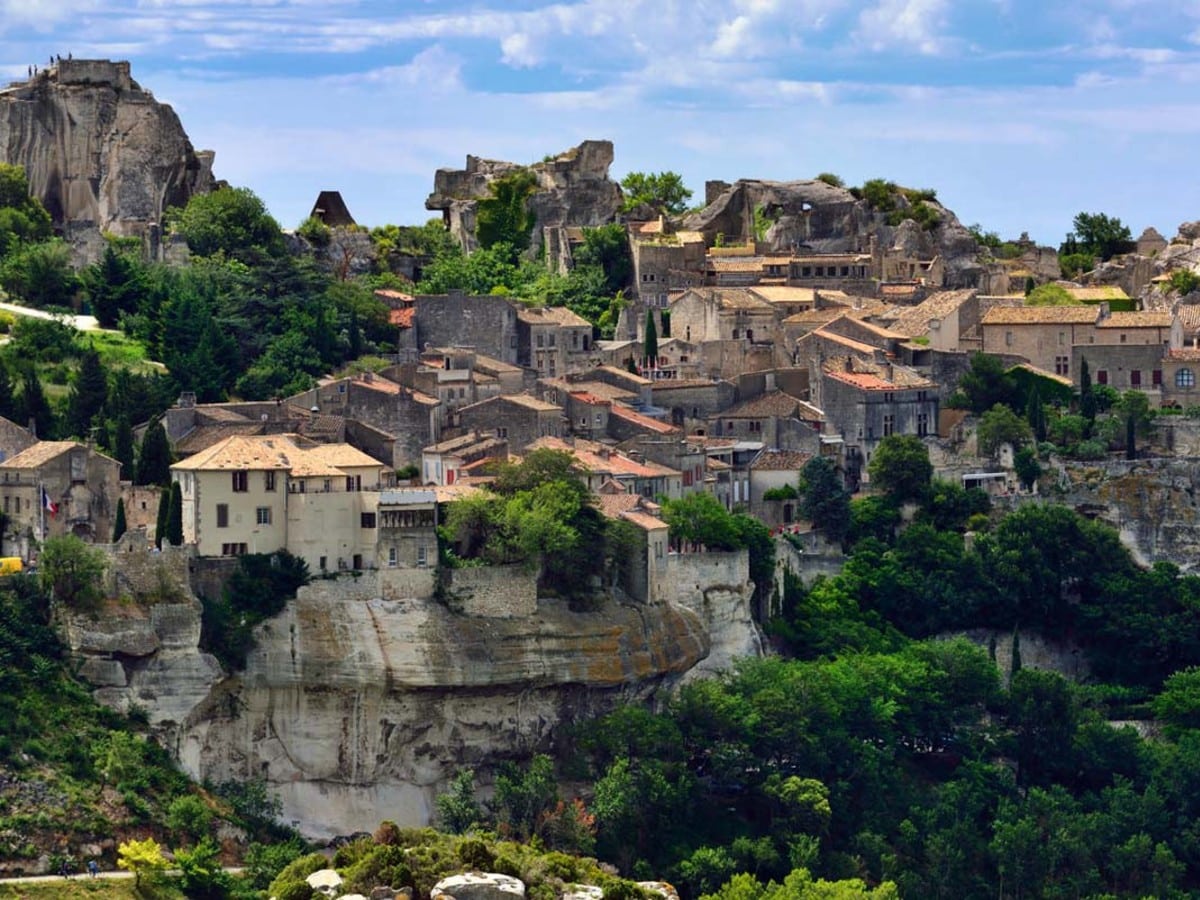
119, 527
650, 345
154, 457
34, 406
1087, 399
160, 524
123, 447
175, 516
8, 403
1035, 414
87, 395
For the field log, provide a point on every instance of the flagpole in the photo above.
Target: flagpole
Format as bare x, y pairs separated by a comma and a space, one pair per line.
41, 512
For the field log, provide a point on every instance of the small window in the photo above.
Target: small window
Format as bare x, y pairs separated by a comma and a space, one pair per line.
262, 515
422, 560
1135, 378
1102, 376
223, 515
322, 563
1122, 338
241, 481
368, 521
328, 485
1008, 338
1156, 377
269, 481
501, 432
393, 556
1185, 378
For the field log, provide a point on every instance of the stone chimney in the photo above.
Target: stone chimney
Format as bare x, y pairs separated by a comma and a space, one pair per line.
1105, 311
187, 400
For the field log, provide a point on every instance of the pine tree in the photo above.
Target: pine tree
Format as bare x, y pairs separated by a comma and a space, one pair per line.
87, 395
119, 527
154, 457
650, 344
8, 402
175, 516
160, 524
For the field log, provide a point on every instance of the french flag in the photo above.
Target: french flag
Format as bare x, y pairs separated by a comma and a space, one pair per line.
49, 505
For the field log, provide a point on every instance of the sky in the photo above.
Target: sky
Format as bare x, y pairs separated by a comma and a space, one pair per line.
1020, 113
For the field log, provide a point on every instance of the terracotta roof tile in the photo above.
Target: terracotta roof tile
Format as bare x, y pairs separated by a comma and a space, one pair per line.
402, 318
636, 418
1041, 315
39, 454
1136, 319
780, 461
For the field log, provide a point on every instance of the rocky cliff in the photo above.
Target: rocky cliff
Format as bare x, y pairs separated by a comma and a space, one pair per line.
821, 218
573, 190
99, 151
357, 708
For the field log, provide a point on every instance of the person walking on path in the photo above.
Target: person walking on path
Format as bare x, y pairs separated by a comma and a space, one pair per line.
93, 869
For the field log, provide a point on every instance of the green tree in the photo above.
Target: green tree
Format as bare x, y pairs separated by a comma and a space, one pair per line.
700, 519
143, 858
458, 811
164, 513
72, 572
154, 456
503, 217
1087, 399
201, 875
123, 447
1049, 295
1098, 234
33, 408
232, 221
663, 192
1027, 467
23, 219
115, 285
522, 797
650, 344
120, 526
174, 533
1000, 425
1035, 414
607, 247
40, 274
985, 384
87, 396
189, 818
826, 503
900, 467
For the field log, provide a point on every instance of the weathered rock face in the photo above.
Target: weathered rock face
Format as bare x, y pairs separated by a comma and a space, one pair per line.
573, 190
821, 218
357, 709
99, 151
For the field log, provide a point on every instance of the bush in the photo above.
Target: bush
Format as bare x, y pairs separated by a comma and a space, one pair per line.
830, 179
1185, 281
189, 817
315, 232
293, 874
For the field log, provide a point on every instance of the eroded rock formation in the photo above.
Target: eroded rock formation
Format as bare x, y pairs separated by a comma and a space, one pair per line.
573, 190
99, 151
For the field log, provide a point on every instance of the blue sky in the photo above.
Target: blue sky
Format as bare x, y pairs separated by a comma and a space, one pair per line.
1020, 113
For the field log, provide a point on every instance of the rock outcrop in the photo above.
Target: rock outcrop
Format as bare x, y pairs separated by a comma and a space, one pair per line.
816, 217
99, 151
573, 190
357, 709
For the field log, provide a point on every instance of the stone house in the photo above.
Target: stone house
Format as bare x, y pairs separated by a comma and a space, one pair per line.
414, 418
692, 402
520, 419
407, 547
704, 315
948, 320
1046, 335
599, 464
852, 272
260, 494
587, 414
865, 401
486, 323
777, 419
774, 469
444, 463
1180, 372
53, 488
552, 340
673, 452
643, 575
14, 438
625, 423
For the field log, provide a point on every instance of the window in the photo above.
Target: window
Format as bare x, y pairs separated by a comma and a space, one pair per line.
1062, 365
222, 515
321, 563
735, 334
922, 424
550, 340
241, 481
368, 521
269, 481
393, 556
889, 424
541, 340
1122, 338
1156, 377
1102, 376
262, 515
1008, 339
1062, 339
233, 549
1135, 378
501, 432
1185, 378
422, 560
17, 504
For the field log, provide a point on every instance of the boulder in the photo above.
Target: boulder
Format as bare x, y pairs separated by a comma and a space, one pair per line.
326, 882
478, 886
583, 892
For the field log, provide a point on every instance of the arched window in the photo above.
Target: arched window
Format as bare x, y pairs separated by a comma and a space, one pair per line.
1185, 378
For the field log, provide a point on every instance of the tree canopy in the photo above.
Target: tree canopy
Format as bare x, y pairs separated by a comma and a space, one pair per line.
663, 192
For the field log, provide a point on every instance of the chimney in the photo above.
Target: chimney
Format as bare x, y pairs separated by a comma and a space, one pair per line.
1105, 311
187, 400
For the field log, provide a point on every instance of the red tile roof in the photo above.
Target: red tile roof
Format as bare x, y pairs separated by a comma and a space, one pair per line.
402, 317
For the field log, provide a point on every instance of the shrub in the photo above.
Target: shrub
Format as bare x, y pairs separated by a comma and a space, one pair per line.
294, 873
189, 817
830, 179
315, 232
1184, 281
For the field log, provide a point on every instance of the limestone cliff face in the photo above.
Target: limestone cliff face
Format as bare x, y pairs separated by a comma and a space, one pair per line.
357, 709
99, 151
573, 190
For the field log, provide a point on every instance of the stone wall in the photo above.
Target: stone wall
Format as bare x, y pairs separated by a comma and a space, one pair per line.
494, 592
489, 324
717, 588
401, 583
144, 573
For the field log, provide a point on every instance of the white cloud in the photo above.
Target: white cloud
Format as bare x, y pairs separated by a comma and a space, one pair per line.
907, 24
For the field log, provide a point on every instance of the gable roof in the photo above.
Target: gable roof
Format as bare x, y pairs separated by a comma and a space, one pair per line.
913, 321
1041, 315
43, 452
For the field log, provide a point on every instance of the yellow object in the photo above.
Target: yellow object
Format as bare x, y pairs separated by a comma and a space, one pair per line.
10, 565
